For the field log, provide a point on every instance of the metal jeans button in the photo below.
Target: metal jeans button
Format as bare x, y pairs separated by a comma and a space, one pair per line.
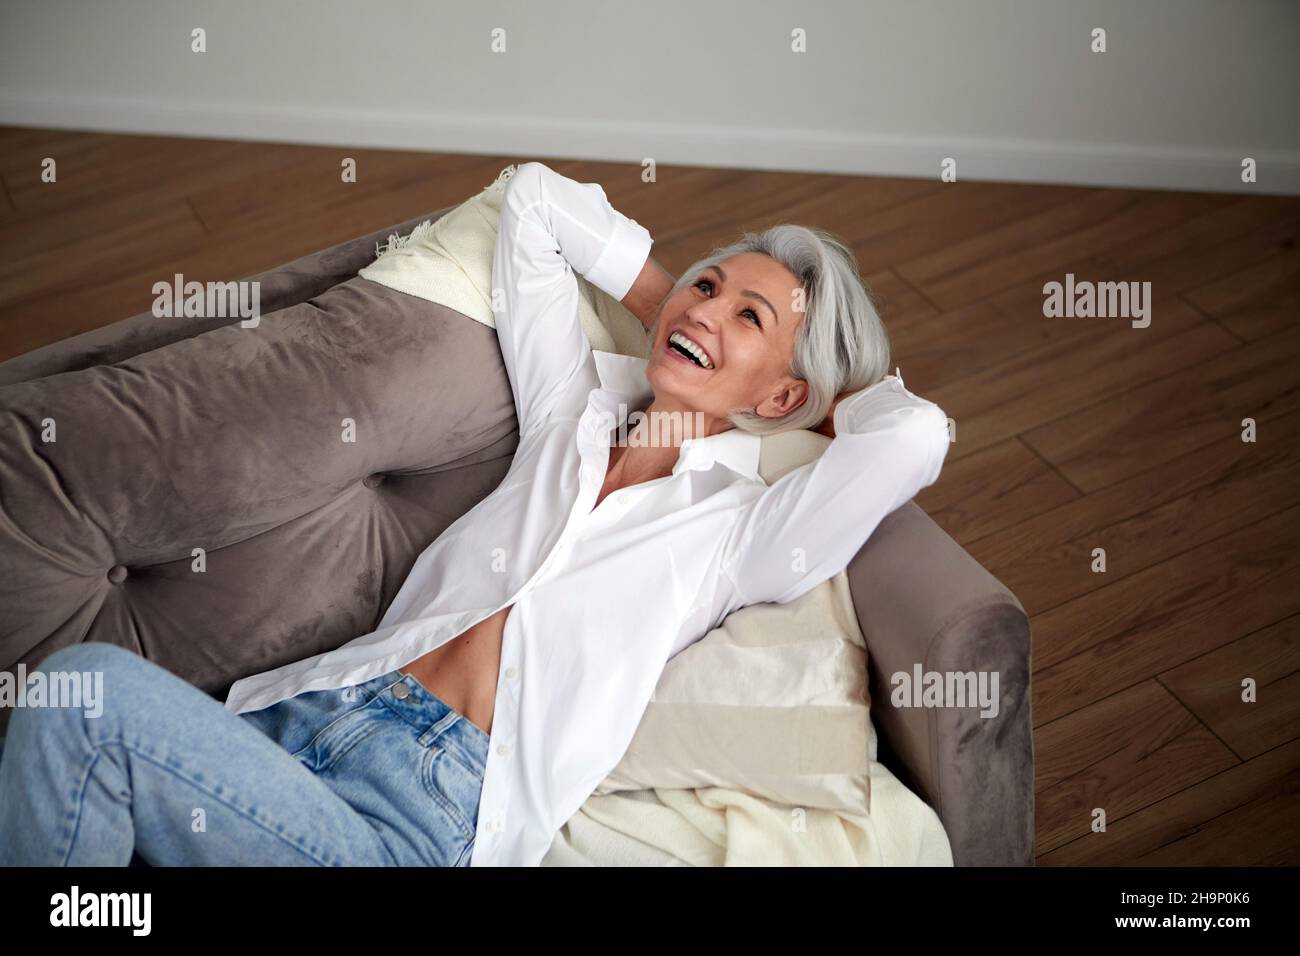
400, 691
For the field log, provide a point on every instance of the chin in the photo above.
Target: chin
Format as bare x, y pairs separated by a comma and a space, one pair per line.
666, 380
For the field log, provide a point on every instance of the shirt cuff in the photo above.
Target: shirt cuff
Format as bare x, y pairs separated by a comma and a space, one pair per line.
889, 397
857, 412
624, 256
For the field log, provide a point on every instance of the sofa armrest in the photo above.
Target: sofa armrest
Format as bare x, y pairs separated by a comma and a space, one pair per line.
923, 600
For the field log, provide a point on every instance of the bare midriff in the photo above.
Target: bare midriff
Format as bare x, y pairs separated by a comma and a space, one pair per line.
462, 673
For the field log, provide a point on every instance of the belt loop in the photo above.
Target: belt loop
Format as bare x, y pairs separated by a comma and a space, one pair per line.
439, 727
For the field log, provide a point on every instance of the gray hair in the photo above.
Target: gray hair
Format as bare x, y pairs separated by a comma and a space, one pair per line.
841, 345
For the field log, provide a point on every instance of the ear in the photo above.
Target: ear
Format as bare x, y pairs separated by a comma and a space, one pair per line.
790, 393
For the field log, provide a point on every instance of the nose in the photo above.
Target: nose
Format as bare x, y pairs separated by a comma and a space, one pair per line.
704, 314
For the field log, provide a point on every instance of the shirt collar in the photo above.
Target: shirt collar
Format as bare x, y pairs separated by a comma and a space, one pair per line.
624, 378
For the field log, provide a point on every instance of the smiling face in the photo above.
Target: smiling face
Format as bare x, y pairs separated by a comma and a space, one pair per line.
740, 321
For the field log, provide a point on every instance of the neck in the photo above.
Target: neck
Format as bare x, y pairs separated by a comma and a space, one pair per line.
654, 445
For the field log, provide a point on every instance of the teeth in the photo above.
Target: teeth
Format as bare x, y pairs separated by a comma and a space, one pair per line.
678, 339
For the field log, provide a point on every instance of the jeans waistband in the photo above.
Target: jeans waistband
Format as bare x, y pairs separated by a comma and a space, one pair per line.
445, 725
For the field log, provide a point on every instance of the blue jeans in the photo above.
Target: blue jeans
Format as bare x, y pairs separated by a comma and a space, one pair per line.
380, 774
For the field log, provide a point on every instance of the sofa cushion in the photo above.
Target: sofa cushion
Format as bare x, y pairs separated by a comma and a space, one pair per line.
246, 497
773, 702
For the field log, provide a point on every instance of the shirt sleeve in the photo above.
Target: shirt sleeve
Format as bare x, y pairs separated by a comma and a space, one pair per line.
807, 526
551, 227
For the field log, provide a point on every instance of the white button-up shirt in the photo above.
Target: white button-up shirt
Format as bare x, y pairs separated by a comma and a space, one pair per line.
603, 598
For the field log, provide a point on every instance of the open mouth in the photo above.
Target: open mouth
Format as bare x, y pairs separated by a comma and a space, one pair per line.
688, 350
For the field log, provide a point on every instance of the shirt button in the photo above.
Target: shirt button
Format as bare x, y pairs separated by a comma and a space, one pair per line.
400, 691
512, 673
624, 498
503, 749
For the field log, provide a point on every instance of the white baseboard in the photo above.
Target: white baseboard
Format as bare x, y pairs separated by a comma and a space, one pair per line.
850, 152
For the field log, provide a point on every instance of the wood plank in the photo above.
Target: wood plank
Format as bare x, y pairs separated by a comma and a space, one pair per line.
1123, 753
953, 214
1000, 375
83, 264
1144, 624
1263, 832
1059, 239
23, 148
247, 204
1205, 824
900, 303
1197, 251
994, 489
117, 208
708, 205
1153, 516
7, 209
1259, 301
107, 165
1154, 423
708, 209
104, 167
1210, 687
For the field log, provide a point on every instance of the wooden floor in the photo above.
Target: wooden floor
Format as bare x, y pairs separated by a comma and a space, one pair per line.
1072, 434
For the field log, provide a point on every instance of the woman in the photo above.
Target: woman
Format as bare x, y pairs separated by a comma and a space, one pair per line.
510, 672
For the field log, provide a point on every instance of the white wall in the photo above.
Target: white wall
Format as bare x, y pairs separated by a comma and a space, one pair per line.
1007, 87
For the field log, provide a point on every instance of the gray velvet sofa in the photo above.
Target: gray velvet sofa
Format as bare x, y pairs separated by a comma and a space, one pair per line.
177, 434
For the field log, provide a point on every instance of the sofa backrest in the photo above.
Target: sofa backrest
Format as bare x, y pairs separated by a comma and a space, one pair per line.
224, 499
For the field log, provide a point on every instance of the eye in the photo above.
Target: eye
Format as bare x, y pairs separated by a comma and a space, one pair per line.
750, 312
